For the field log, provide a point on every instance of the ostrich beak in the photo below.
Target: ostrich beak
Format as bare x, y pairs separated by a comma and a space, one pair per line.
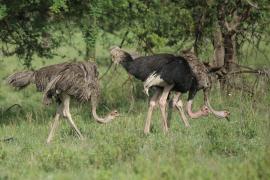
227, 116
147, 92
113, 59
115, 113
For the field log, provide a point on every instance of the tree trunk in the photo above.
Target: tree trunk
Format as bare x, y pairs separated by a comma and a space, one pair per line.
230, 51
90, 43
90, 33
229, 59
90, 52
218, 59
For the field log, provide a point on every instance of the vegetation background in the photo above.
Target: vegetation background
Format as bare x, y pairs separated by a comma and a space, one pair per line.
35, 33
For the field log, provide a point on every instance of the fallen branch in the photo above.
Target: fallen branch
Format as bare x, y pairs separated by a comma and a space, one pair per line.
8, 139
12, 107
263, 72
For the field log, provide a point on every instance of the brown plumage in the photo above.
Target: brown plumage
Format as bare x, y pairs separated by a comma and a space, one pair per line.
62, 81
79, 80
201, 72
199, 69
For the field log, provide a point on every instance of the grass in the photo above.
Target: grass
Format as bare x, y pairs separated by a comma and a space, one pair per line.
210, 149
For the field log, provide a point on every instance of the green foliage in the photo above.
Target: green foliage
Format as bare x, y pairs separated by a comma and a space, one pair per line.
59, 6
3, 11
154, 24
28, 28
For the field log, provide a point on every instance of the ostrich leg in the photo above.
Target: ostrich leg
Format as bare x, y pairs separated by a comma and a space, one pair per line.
152, 105
179, 105
162, 104
66, 113
55, 123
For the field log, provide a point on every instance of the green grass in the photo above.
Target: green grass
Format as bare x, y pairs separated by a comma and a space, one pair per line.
210, 149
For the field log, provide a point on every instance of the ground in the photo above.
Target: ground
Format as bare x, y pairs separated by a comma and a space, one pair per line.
211, 149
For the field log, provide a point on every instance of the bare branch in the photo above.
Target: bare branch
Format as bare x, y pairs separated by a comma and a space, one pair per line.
235, 21
252, 4
124, 38
121, 44
8, 109
108, 69
262, 72
245, 14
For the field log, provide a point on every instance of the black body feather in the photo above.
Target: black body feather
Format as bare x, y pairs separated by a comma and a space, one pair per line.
172, 69
143, 67
178, 72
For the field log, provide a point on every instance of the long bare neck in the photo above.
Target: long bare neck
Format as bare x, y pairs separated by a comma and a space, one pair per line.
127, 62
95, 115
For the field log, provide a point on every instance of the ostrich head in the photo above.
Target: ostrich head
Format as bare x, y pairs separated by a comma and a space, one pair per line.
119, 55
112, 115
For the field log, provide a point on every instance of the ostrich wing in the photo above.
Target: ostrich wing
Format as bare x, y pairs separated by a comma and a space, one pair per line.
79, 80
46, 74
143, 67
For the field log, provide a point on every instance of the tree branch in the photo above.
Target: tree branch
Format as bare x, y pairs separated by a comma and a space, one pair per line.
252, 4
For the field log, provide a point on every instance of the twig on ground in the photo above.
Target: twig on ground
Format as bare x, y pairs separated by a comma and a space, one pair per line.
12, 107
8, 139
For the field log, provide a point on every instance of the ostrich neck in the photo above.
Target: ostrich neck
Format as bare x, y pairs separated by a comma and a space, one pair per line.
127, 63
191, 113
221, 114
95, 115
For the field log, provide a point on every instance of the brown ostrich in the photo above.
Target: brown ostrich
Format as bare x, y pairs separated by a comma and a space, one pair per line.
60, 82
201, 72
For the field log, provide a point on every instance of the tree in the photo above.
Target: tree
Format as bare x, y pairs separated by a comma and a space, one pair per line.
229, 24
29, 27
85, 14
150, 24
26, 29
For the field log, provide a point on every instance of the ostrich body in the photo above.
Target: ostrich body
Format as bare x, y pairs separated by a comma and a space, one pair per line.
201, 72
168, 73
62, 81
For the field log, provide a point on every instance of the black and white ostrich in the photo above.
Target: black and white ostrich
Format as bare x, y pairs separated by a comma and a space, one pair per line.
60, 82
168, 73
